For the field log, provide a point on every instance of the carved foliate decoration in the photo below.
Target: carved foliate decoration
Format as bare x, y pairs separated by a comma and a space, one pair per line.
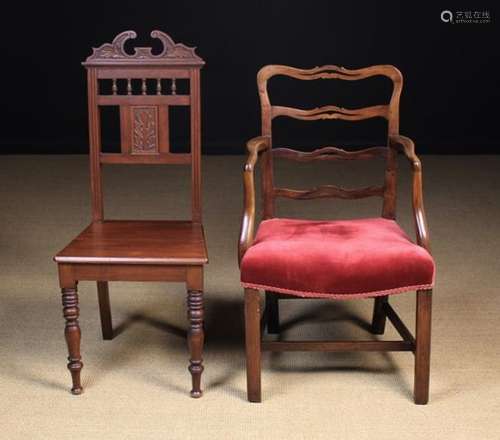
144, 130
172, 53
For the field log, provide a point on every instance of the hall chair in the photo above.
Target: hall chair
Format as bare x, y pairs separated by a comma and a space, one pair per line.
337, 259
144, 87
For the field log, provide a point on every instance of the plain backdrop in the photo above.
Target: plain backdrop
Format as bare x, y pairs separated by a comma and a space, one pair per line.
449, 97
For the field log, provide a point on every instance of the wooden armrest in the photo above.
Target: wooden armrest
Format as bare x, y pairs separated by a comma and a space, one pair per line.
407, 147
254, 147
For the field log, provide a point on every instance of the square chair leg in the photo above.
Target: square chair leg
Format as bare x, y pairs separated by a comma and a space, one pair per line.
252, 342
105, 310
423, 346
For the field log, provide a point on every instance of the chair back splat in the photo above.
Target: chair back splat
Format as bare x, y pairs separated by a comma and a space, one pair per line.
144, 86
390, 112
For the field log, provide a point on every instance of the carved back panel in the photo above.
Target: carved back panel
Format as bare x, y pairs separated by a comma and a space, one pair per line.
143, 85
388, 111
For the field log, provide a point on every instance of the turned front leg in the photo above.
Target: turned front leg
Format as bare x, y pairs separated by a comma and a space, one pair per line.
195, 339
73, 335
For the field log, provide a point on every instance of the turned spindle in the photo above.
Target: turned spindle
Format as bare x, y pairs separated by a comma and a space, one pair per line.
144, 88
114, 87
158, 86
174, 87
129, 86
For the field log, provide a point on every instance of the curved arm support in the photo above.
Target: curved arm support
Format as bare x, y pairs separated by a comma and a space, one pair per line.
407, 147
254, 147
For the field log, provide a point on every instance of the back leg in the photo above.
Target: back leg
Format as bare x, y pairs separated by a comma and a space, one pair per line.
273, 313
379, 317
105, 310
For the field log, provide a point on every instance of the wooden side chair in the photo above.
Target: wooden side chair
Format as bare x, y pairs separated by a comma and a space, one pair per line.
339, 259
109, 250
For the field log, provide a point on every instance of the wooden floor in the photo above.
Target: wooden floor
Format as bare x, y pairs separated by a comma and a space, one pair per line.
137, 385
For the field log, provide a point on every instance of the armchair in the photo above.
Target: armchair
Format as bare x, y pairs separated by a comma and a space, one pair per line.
338, 259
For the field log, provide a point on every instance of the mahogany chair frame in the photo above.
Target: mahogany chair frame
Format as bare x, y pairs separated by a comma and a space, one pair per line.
144, 140
262, 147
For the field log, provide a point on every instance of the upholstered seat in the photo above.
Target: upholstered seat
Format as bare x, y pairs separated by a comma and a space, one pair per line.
340, 259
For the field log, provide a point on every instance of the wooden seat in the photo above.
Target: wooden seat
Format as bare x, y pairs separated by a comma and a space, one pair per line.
143, 87
334, 260
138, 242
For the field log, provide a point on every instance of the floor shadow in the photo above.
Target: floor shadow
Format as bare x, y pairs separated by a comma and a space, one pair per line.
224, 333
224, 324
327, 313
224, 330
21, 373
338, 313
163, 383
153, 322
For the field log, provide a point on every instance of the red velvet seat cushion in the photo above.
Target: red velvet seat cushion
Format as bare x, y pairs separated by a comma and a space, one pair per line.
341, 259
